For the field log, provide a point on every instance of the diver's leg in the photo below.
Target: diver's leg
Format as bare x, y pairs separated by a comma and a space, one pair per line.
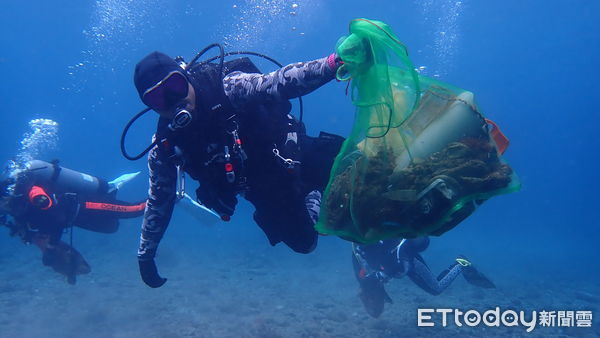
104, 216
115, 208
282, 214
317, 156
97, 222
421, 275
300, 234
283, 222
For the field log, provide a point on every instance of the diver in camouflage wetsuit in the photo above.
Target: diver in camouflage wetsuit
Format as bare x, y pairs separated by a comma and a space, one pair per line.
232, 132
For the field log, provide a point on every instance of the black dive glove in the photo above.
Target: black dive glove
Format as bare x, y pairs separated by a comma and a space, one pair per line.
150, 274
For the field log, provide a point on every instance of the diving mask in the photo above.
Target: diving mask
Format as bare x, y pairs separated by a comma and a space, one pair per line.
167, 92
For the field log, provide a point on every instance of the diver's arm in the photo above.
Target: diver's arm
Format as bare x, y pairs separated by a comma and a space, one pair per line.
291, 81
161, 200
44, 230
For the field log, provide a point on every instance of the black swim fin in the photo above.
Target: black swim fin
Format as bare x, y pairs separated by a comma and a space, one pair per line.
65, 260
474, 276
373, 296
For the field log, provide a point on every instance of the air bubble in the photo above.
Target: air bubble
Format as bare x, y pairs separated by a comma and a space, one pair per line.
42, 138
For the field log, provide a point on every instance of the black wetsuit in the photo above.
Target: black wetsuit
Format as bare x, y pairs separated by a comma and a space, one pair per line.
375, 264
43, 224
98, 213
388, 259
259, 103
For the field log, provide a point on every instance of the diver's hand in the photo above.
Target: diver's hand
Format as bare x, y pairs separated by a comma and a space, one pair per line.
150, 274
354, 49
356, 56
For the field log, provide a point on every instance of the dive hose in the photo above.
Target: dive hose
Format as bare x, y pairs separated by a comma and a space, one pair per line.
221, 58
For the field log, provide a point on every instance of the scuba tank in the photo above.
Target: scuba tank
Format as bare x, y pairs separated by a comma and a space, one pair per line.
459, 121
63, 180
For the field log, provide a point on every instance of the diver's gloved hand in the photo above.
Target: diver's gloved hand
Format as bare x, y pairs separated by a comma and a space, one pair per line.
149, 273
355, 54
334, 61
222, 203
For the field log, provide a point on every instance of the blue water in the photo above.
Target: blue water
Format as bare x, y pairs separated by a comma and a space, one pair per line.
531, 64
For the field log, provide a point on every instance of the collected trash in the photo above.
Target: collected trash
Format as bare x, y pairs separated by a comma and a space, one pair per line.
420, 157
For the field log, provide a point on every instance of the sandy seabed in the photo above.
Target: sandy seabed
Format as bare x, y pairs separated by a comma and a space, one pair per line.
223, 287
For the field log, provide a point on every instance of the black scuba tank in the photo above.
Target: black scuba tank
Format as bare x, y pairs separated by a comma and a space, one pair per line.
63, 180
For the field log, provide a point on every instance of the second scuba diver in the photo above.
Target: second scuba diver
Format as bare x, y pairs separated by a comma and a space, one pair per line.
228, 126
44, 200
375, 264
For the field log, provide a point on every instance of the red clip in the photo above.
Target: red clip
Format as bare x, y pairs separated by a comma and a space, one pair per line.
498, 136
226, 218
228, 167
238, 141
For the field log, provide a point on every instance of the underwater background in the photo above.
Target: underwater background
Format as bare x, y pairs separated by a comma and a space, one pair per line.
531, 64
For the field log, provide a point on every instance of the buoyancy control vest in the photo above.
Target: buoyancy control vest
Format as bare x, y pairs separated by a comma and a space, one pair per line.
222, 143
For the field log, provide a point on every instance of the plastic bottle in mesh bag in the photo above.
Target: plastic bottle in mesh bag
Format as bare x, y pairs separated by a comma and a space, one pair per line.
420, 157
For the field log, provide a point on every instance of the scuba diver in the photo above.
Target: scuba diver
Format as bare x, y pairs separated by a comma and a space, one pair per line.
229, 127
375, 264
45, 200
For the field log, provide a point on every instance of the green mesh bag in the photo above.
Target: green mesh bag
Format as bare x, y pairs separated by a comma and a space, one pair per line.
420, 157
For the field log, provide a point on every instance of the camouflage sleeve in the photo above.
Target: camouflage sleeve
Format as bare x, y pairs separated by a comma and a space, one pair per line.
161, 199
291, 81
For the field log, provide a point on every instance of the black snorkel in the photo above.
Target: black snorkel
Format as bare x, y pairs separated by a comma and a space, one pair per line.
183, 117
